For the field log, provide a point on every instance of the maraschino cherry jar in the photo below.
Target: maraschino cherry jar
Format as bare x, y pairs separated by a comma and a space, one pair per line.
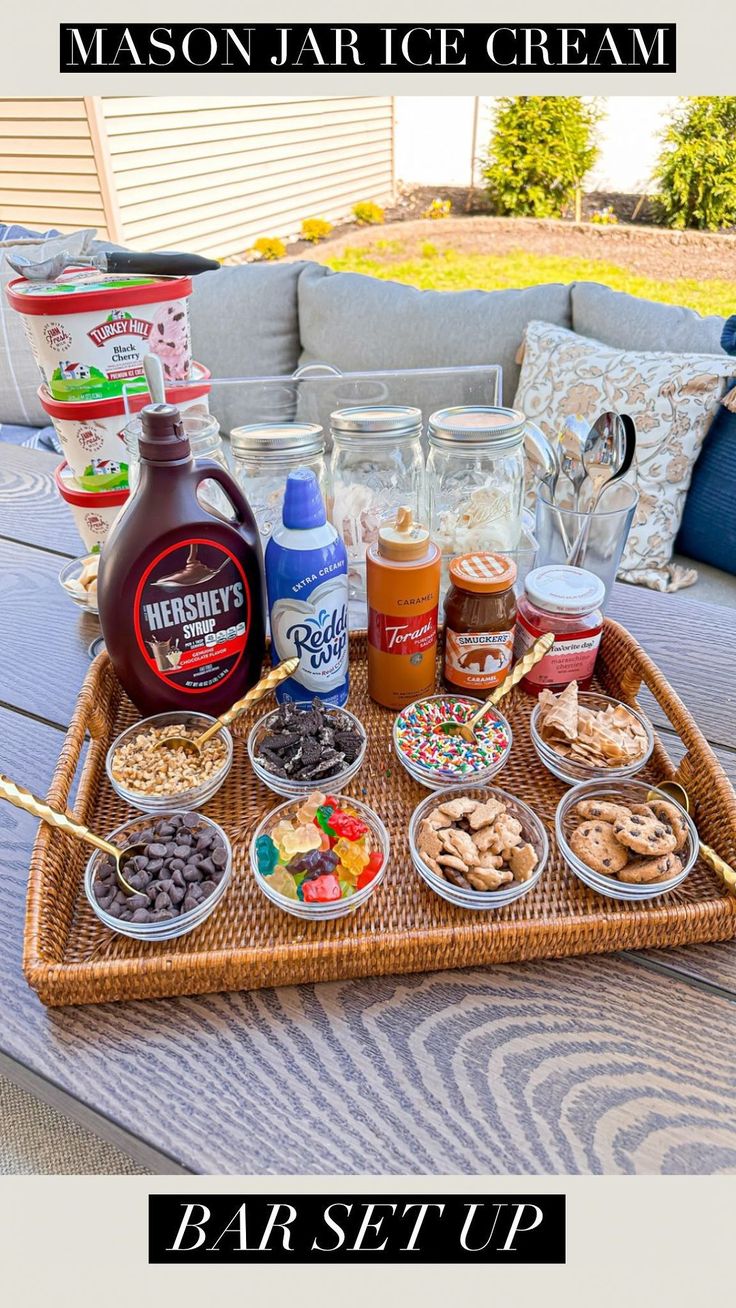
566, 601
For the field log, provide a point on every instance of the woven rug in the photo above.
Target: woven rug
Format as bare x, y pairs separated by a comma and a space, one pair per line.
38, 1140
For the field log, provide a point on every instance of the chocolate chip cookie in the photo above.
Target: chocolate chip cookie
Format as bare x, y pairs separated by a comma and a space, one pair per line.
645, 835
596, 844
670, 816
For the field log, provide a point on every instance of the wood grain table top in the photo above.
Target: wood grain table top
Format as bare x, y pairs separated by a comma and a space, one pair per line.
617, 1063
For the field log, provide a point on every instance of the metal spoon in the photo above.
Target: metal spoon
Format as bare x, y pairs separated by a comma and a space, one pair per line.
608, 455
520, 669
571, 441
193, 745
23, 798
675, 791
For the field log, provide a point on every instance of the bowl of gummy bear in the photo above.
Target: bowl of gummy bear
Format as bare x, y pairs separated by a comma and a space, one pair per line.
320, 857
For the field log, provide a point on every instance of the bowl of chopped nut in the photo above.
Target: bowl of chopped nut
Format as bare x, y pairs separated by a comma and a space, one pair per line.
477, 846
156, 779
296, 747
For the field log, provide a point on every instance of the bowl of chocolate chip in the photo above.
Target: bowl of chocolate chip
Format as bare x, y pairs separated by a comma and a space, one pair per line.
477, 846
299, 747
156, 779
180, 877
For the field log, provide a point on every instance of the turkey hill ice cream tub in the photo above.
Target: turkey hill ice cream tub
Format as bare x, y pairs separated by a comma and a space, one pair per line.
93, 511
91, 432
90, 334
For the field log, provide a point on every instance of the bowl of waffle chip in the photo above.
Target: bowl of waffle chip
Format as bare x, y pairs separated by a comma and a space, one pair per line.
588, 736
79, 579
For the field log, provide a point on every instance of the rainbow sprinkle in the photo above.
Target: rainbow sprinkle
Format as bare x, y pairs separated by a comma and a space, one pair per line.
422, 746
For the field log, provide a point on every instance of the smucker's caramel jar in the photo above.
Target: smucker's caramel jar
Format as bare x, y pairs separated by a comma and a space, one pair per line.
480, 617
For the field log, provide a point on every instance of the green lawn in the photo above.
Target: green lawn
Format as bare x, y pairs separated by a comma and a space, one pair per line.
450, 271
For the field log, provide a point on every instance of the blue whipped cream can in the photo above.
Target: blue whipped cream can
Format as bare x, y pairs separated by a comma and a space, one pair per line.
307, 584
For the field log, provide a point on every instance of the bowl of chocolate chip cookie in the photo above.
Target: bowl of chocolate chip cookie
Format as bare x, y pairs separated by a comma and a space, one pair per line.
477, 846
627, 841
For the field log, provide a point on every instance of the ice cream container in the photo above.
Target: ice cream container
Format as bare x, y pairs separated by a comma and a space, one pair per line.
93, 511
92, 431
90, 334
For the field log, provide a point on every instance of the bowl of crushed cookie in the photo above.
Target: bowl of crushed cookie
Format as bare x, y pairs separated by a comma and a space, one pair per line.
297, 748
155, 779
477, 846
629, 841
588, 736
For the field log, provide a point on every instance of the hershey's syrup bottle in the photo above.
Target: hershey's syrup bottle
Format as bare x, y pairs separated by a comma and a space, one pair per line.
179, 589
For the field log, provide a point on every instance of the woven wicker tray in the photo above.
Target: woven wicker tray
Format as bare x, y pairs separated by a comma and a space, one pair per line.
70, 958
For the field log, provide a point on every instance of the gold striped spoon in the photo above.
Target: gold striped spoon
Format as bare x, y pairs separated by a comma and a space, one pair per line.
193, 744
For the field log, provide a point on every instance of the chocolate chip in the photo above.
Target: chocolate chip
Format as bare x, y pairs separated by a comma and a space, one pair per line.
167, 879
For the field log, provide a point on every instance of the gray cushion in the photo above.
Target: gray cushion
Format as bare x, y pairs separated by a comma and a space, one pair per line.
628, 323
361, 323
244, 324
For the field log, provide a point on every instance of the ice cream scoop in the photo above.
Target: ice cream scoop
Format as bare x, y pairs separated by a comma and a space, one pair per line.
116, 261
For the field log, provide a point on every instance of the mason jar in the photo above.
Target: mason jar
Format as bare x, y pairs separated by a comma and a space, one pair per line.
205, 442
263, 456
475, 479
377, 466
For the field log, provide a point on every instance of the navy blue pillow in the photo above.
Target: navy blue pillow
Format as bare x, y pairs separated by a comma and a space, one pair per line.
708, 529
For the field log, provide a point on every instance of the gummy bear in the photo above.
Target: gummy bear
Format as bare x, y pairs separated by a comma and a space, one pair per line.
285, 884
308, 810
267, 855
322, 818
374, 865
280, 832
314, 863
321, 890
300, 839
352, 855
350, 828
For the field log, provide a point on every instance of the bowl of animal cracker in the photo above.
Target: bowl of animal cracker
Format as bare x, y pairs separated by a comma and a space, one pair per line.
477, 846
588, 736
629, 841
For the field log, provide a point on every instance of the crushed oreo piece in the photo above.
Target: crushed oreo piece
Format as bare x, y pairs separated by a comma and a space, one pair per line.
309, 744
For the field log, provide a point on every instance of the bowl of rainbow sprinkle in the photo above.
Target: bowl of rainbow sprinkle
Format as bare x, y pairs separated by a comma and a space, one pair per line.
437, 759
320, 857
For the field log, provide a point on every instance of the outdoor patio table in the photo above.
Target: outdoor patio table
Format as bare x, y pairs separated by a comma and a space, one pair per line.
612, 1063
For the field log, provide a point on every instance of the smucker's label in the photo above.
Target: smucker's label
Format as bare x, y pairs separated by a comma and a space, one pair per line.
192, 615
477, 659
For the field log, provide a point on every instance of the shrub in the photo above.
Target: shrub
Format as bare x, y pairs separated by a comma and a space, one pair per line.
438, 209
696, 170
315, 229
603, 217
542, 147
269, 247
366, 213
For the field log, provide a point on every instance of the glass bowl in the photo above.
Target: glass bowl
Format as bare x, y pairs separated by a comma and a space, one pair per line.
573, 771
533, 833
293, 789
623, 792
437, 777
379, 839
175, 926
182, 800
72, 571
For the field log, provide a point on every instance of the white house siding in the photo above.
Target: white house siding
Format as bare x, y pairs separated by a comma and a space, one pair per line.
210, 174
48, 170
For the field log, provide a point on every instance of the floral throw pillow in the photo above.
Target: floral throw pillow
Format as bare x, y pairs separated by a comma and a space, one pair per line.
672, 399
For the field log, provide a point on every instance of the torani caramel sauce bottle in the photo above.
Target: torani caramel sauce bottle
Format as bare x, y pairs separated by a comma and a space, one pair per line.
179, 589
403, 586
